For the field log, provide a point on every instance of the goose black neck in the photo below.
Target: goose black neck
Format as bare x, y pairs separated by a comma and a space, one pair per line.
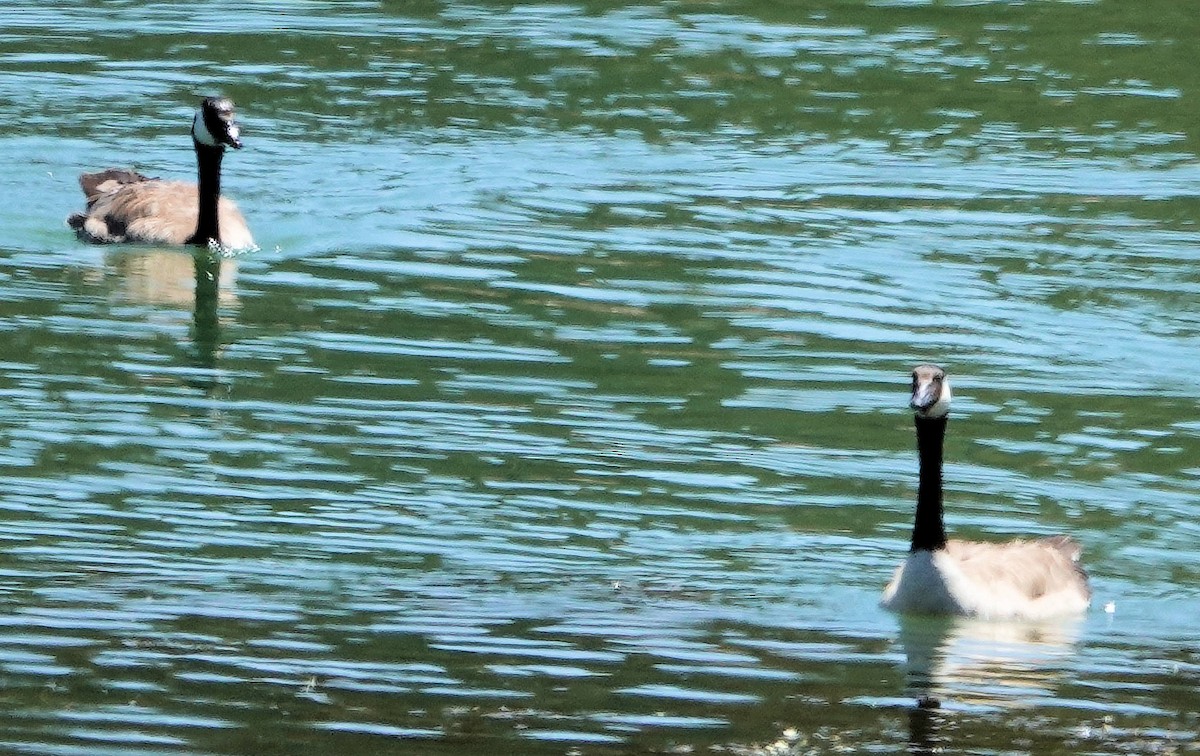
208, 161
929, 533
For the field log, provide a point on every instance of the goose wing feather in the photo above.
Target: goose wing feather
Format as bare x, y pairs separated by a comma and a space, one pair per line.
1032, 578
95, 185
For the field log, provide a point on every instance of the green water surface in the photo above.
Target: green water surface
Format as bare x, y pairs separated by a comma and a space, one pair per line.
563, 410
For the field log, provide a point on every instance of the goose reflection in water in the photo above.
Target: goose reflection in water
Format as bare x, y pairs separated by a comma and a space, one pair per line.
202, 281
956, 663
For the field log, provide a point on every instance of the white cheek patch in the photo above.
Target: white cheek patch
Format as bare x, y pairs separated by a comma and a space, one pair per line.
200, 132
941, 407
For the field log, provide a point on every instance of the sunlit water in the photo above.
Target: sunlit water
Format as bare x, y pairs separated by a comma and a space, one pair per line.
563, 408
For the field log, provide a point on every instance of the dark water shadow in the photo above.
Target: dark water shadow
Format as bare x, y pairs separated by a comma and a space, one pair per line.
206, 321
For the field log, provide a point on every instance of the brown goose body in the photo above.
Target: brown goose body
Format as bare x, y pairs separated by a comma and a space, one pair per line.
125, 206
123, 209
1030, 580
1023, 579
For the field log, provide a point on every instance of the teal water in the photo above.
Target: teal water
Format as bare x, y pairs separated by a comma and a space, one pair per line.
563, 408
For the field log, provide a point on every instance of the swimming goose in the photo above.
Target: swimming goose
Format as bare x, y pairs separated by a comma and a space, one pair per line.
1024, 579
125, 206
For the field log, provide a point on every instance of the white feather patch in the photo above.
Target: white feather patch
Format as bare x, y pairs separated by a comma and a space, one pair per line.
941, 407
200, 132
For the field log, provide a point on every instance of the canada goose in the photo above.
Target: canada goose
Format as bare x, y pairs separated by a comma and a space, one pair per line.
125, 206
1014, 580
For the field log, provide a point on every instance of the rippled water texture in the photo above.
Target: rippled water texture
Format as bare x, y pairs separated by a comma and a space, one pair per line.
563, 408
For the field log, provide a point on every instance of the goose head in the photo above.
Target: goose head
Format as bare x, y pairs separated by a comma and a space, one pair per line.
214, 126
930, 392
